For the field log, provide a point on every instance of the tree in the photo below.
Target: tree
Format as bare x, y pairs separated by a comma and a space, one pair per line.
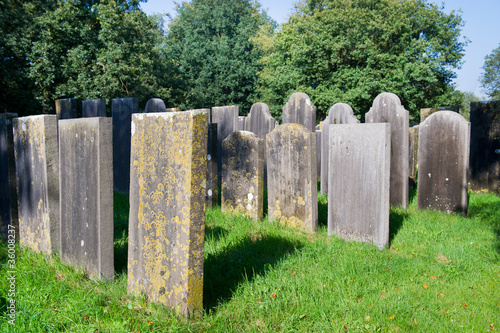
351, 50
210, 44
490, 79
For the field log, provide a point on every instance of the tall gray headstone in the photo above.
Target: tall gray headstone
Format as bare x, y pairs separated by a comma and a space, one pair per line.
121, 110
155, 105
358, 191
339, 113
37, 179
86, 187
94, 108
212, 183
443, 160
292, 182
300, 110
67, 108
413, 162
8, 195
319, 145
243, 174
485, 146
226, 118
241, 123
387, 108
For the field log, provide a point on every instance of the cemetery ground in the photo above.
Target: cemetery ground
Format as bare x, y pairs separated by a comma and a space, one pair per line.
440, 273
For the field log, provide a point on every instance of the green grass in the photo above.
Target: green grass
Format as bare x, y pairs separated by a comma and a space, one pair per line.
440, 274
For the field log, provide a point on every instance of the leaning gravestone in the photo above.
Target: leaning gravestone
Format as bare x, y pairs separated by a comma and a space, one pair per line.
339, 113
67, 108
226, 118
387, 108
86, 183
300, 110
443, 160
155, 105
243, 174
485, 146
359, 177
291, 176
94, 108
167, 214
121, 110
37, 178
212, 189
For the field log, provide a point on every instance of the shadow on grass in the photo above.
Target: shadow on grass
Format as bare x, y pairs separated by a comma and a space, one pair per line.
396, 220
486, 208
120, 231
253, 256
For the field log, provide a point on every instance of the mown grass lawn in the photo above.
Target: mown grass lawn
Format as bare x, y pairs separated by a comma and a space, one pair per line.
440, 274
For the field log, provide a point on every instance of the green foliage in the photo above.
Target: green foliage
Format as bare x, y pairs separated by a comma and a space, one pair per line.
351, 50
209, 43
490, 79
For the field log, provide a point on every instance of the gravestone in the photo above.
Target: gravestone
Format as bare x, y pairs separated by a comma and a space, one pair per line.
172, 109
226, 118
413, 162
8, 195
424, 113
443, 160
121, 110
291, 176
212, 194
319, 145
94, 108
86, 187
155, 105
387, 108
300, 110
167, 208
241, 123
243, 174
37, 179
67, 108
339, 113
358, 191
485, 146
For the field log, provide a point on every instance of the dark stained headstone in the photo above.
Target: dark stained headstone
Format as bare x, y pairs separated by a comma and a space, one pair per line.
37, 179
339, 113
121, 110
300, 110
155, 105
8, 195
424, 113
291, 176
67, 108
358, 193
485, 146
443, 160
86, 187
243, 174
212, 193
167, 208
226, 118
94, 108
387, 108
413, 162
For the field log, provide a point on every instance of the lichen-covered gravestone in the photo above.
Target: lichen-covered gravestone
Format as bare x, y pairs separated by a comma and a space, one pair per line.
358, 191
37, 179
387, 108
167, 208
485, 146
86, 187
67, 108
291, 176
155, 105
300, 110
226, 118
339, 113
243, 174
94, 108
443, 160
121, 110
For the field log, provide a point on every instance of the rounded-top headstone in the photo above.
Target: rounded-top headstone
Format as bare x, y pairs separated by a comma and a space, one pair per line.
300, 110
342, 113
155, 105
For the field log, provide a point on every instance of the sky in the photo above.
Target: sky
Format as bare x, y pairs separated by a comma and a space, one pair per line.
482, 29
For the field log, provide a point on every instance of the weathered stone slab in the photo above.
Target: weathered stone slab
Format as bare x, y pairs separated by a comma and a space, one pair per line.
485, 146
226, 118
167, 215
339, 113
172, 109
319, 145
443, 160
358, 193
212, 194
67, 108
86, 187
37, 179
155, 105
94, 108
413, 162
241, 123
424, 113
387, 108
300, 110
8, 195
243, 174
121, 110
291, 176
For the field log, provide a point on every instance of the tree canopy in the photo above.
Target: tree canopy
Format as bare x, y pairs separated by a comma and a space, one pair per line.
490, 79
351, 50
